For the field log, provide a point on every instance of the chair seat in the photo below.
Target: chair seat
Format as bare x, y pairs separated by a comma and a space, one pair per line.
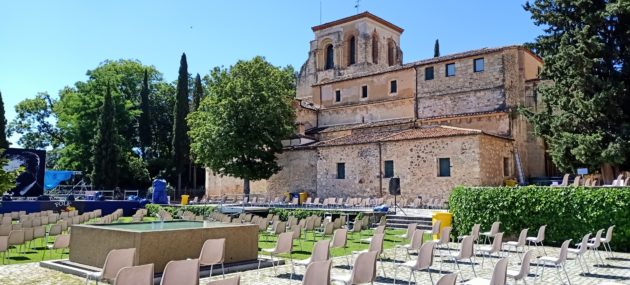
549, 259
303, 262
95, 275
477, 281
512, 243
513, 274
345, 278
573, 250
269, 250
592, 240
366, 240
534, 239
486, 234
408, 264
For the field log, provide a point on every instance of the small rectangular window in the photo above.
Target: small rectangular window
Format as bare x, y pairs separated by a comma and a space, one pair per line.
341, 170
506, 166
337, 95
389, 168
428, 73
450, 70
478, 65
364, 91
444, 167
393, 87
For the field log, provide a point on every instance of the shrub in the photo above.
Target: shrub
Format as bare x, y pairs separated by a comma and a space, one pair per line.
568, 212
299, 213
153, 209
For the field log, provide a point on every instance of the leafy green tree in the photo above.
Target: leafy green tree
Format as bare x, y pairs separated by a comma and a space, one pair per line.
436, 48
144, 127
238, 128
106, 150
180, 136
586, 50
34, 122
7, 178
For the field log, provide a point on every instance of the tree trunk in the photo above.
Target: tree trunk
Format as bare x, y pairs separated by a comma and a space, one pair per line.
246, 187
195, 178
179, 184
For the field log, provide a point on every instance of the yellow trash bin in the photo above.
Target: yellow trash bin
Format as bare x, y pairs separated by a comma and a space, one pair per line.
445, 218
303, 196
185, 199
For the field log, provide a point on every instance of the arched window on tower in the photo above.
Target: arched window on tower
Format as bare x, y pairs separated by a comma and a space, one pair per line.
391, 53
375, 48
330, 53
352, 51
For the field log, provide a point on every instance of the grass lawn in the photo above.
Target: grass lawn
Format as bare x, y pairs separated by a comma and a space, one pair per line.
354, 244
34, 251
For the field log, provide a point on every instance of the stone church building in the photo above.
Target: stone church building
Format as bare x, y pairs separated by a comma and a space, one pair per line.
364, 116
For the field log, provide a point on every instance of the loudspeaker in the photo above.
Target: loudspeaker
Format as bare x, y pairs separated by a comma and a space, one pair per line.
394, 186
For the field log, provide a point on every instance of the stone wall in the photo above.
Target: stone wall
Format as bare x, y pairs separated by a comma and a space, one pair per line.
365, 113
493, 151
361, 169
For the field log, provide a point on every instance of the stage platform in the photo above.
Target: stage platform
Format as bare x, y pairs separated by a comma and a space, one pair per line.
107, 207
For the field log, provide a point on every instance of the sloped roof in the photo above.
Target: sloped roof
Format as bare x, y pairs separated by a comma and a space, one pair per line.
356, 17
409, 134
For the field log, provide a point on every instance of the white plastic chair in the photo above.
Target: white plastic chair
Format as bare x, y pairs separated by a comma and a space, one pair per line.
605, 241
580, 250
499, 275
321, 252
557, 262
538, 239
283, 245
423, 262
522, 273
213, 253
520, 243
115, 260
413, 245
363, 271
494, 248
466, 251
494, 229
317, 273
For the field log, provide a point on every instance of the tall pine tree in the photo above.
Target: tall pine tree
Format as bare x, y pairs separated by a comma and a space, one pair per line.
4, 143
586, 50
106, 152
197, 93
144, 126
436, 48
181, 146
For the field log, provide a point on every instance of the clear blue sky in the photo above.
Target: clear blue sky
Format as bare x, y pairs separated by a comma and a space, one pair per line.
46, 45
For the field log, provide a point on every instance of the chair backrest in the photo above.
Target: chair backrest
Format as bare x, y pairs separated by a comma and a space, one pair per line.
281, 227
609, 233
576, 182
16, 237
321, 251
598, 238
466, 249
382, 221
181, 272
380, 230
340, 238
285, 243
527, 256
317, 273
562, 257
499, 274
495, 228
297, 231
565, 180
411, 228
4, 243
39, 232
584, 244
54, 230
416, 239
497, 242
425, 256
522, 238
376, 243
435, 229
475, 232
62, 241
357, 226
364, 270
135, 275
117, 259
212, 252
310, 224
328, 228
28, 234
541, 233
230, 281
5, 229
445, 236
448, 279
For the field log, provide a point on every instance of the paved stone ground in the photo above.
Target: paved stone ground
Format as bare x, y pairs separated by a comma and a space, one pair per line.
616, 270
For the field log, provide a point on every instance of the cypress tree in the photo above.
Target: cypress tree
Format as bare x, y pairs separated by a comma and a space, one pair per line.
436, 48
4, 143
105, 147
144, 126
180, 128
197, 93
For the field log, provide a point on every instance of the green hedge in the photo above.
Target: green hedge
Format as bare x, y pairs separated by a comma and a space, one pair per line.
299, 213
205, 211
568, 212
